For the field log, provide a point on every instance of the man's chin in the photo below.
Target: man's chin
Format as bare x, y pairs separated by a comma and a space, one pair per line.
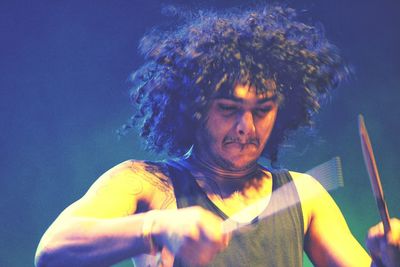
245, 166
240, 164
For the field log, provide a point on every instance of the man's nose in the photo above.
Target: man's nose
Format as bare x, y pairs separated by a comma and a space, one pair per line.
245, 125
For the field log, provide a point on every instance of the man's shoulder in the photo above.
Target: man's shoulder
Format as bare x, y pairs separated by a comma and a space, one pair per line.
139, 168
301, 176
307, 185
144, 180
122, 189
297, 177
134, 172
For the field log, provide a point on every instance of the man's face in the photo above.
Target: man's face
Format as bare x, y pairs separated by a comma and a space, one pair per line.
236, 128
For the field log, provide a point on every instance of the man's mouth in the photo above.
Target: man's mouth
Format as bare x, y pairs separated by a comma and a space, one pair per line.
230, 141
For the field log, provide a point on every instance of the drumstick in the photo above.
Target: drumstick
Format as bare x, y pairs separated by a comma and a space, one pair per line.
329, 174
370, 163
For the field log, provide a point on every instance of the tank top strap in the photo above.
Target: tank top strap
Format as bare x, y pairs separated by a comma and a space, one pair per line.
186, 190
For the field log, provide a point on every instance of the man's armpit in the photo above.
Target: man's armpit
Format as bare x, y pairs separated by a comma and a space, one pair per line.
157, 176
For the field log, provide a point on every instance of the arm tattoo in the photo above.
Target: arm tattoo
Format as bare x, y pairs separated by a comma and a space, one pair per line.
156, 173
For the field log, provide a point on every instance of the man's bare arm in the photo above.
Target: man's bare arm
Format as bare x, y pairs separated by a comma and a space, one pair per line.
328, 240
102, 228
99, 229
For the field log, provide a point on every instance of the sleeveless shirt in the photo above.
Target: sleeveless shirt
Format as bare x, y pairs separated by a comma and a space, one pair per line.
276, 240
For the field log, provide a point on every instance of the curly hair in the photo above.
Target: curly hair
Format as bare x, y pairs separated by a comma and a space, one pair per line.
211, 52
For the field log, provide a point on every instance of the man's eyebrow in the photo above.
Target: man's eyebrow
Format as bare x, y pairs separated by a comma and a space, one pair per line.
229, 97
267, 99
240, 100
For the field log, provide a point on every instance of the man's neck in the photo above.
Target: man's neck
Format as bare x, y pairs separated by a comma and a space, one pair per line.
222, 181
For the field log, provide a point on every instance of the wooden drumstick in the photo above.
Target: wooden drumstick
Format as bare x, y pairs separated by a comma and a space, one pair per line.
374, 178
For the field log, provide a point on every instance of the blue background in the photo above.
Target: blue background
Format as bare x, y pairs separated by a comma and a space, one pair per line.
63, 72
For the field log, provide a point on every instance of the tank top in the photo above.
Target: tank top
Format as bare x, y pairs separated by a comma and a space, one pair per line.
276, 240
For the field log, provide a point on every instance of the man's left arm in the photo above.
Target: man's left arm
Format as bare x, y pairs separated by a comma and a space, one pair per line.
328, 240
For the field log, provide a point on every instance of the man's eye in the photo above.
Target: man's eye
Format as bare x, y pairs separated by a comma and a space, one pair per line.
262, 111
227, 107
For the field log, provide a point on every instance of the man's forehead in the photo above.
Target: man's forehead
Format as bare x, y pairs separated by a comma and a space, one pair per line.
242, 92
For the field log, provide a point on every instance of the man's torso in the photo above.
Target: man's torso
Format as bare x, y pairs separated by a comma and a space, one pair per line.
163, 196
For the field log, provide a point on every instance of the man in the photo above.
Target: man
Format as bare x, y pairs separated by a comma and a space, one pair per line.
218, 93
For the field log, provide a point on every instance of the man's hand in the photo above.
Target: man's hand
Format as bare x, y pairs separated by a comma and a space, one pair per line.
385, 250
194, 234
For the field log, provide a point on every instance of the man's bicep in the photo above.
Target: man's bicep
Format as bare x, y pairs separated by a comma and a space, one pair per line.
329, 241
114, 194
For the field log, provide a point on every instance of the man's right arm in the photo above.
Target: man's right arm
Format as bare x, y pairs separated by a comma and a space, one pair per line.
102, 228
99, 229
